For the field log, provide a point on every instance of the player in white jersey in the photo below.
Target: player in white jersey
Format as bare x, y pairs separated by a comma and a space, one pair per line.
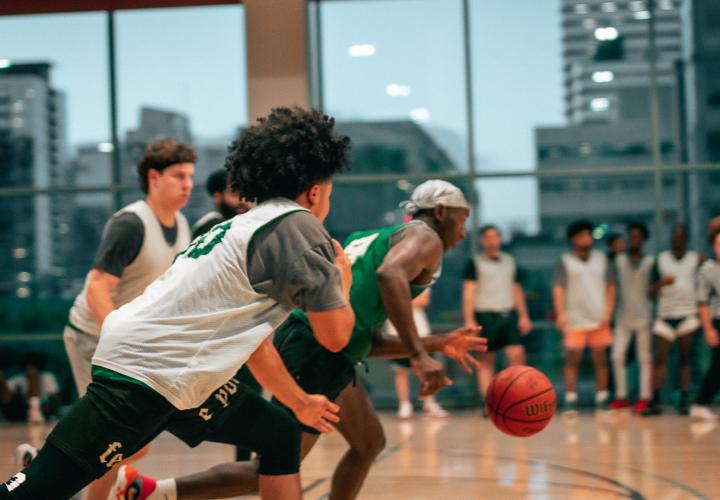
138, 244
165, 360
633, 318
674, 279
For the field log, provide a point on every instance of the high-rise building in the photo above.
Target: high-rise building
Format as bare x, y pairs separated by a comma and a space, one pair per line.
607, 105
701, 60
33, 130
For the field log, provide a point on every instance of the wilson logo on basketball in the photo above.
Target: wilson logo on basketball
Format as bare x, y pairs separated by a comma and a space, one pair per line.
535, 409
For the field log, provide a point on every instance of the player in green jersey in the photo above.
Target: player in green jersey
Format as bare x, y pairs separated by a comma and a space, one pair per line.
389, 267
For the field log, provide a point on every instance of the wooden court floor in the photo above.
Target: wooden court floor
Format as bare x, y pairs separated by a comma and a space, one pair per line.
610, 455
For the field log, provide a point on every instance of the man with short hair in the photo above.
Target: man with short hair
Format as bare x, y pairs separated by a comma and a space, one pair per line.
227, 204
584, 299
493, 299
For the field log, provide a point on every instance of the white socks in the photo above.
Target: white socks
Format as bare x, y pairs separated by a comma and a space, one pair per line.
571, 397
165, 489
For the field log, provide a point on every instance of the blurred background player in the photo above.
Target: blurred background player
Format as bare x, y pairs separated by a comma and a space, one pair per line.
494, 300
708, 295
138, 244
30, 396
401, 367
634, 270
227, 203
615, 245
584, 297
674, 278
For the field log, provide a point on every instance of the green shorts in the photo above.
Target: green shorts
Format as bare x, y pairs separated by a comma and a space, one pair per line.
501, 329
316, 370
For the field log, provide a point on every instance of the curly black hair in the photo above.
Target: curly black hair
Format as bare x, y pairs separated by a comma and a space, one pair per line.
285, 153
639, 226
578, 227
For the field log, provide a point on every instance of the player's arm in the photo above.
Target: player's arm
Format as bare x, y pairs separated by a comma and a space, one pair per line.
468, 294
99, 286
333, 328
268, 368
418, 250
610, 294
658, 281
457, 345
120, 245
558, 294
520, 302
703, 291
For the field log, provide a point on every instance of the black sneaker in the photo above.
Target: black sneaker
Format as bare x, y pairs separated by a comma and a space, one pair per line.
653, 409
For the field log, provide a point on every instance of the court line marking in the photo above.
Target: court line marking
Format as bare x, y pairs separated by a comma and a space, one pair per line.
687, 488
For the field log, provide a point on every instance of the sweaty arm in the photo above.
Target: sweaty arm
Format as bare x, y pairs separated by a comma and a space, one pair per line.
414, 256
120, 245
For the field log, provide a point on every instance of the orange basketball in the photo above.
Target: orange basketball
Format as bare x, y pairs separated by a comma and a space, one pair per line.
520, 401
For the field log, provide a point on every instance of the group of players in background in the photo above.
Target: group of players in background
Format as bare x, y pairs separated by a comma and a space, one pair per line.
166, 327
601, 301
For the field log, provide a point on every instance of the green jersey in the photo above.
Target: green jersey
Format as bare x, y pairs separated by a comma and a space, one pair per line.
366, 251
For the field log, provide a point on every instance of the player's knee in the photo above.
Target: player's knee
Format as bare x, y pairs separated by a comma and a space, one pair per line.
372, 446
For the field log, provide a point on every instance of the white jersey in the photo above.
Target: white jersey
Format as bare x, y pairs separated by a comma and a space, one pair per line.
154, 258
195, 326
495, 283
678, 300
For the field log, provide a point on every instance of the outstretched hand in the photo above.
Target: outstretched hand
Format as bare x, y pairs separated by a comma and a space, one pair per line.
461, 342
318, 412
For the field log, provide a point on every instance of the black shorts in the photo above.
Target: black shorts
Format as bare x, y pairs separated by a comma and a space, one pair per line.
117, 418
316, 370
501, 329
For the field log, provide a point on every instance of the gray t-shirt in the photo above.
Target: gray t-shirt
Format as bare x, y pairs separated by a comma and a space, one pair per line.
300, 282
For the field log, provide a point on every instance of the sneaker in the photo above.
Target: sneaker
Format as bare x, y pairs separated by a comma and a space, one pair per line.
131, 485
405, 411
653, 409
700, 412
434, 410
619, 404
24, 454
570, 409
640, 406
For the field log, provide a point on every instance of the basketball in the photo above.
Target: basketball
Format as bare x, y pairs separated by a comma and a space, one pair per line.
520, 401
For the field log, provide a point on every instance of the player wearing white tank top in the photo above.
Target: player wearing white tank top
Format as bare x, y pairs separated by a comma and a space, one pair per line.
674, 280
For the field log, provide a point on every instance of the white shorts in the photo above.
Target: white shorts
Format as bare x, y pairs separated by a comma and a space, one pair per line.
80, 348
672, 328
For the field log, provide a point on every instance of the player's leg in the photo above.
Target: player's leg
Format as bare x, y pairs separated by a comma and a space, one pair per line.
659, 369
485, 371
515, 355
402, 388
361, 428
514, 349
112, 420
643, 349
599, 359
685, 344
621, 341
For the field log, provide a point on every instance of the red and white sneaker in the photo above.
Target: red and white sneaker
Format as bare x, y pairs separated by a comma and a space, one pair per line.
131, 485
619, 404
641, 405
